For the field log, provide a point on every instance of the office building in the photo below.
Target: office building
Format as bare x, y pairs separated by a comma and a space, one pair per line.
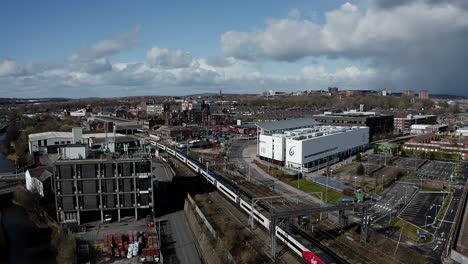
423, 94
403, 124
380, 125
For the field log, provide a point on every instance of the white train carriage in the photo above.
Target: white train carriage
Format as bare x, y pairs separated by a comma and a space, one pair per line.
211, 179
181, 158
193, 166
204, 173
170, 151
265, 222
230, 194
161, 146
292, 243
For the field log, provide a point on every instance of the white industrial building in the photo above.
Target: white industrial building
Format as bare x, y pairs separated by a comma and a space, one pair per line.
311, 147
49, 142
419, 129
462, 131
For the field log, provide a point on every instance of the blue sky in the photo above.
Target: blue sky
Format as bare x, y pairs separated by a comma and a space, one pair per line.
46, 30
72, 47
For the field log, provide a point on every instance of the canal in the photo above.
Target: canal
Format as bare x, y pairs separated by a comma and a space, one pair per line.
6, 165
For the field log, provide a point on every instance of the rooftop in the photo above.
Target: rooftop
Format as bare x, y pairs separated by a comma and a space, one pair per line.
352, 113
55, 134
287, 124
49, 135
315, 132
41, 173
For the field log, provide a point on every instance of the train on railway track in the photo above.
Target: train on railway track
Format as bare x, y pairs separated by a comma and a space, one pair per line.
230, 192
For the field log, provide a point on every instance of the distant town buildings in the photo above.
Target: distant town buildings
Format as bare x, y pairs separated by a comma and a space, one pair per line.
403, 124
379, 125
409, 93
431, 142
419, 129
333, 90
423, 94
462, 131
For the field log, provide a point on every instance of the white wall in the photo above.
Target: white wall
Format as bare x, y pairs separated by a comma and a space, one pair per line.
266, 149
34, 144
339, 142
73, 152
33, 184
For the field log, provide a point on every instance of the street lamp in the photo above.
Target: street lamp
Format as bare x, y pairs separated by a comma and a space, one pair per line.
382, 182
425, 221
436, 212
355, 184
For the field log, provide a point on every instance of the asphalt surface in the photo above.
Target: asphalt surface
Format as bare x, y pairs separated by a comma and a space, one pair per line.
442, 232
178, 245
422, 209
437, 170
395, 197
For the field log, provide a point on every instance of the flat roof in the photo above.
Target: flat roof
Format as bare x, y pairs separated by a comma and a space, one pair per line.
49, 135
353, 114
287, 124
316, 132
56, 134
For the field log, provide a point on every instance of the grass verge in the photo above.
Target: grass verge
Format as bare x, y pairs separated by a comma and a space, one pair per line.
307, 186
410, 231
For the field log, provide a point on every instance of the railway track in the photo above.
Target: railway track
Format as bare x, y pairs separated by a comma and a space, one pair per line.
331, 257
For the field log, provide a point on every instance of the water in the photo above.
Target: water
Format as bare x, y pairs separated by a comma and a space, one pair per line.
6, 165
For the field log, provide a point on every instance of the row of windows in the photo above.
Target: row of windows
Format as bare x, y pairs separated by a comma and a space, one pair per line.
92, 186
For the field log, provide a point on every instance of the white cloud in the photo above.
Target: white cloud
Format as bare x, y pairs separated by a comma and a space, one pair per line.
7, 67
108, 47
165, 58
411, 43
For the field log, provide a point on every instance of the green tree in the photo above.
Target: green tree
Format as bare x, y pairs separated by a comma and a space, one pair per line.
360, 169
403, 153
358, 157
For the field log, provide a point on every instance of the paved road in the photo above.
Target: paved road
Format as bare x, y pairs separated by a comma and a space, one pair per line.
441, 234
178, 240
178, 245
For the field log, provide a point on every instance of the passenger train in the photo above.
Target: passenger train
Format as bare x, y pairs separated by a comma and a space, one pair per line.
230, 193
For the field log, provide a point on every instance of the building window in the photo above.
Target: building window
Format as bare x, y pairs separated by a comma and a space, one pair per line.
56, 142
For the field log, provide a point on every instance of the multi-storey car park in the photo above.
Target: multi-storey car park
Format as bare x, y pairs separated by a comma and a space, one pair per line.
89, 188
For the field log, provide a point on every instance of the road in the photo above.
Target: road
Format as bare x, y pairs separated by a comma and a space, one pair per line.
244, 153
178, 245
441, 234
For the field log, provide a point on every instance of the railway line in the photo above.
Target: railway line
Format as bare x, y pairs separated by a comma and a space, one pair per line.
232, 193
241, 192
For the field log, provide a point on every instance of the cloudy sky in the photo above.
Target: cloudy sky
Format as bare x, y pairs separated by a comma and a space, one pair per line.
117, 48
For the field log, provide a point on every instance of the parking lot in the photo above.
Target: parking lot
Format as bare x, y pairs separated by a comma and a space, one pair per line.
439, 170
380, 159
409, 163
423, 209
397, 195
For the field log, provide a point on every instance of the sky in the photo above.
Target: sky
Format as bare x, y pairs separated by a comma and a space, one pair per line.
120, 48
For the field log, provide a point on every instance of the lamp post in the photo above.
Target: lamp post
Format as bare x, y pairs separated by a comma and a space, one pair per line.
425, 222
436, 211
383, 175
355, 182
